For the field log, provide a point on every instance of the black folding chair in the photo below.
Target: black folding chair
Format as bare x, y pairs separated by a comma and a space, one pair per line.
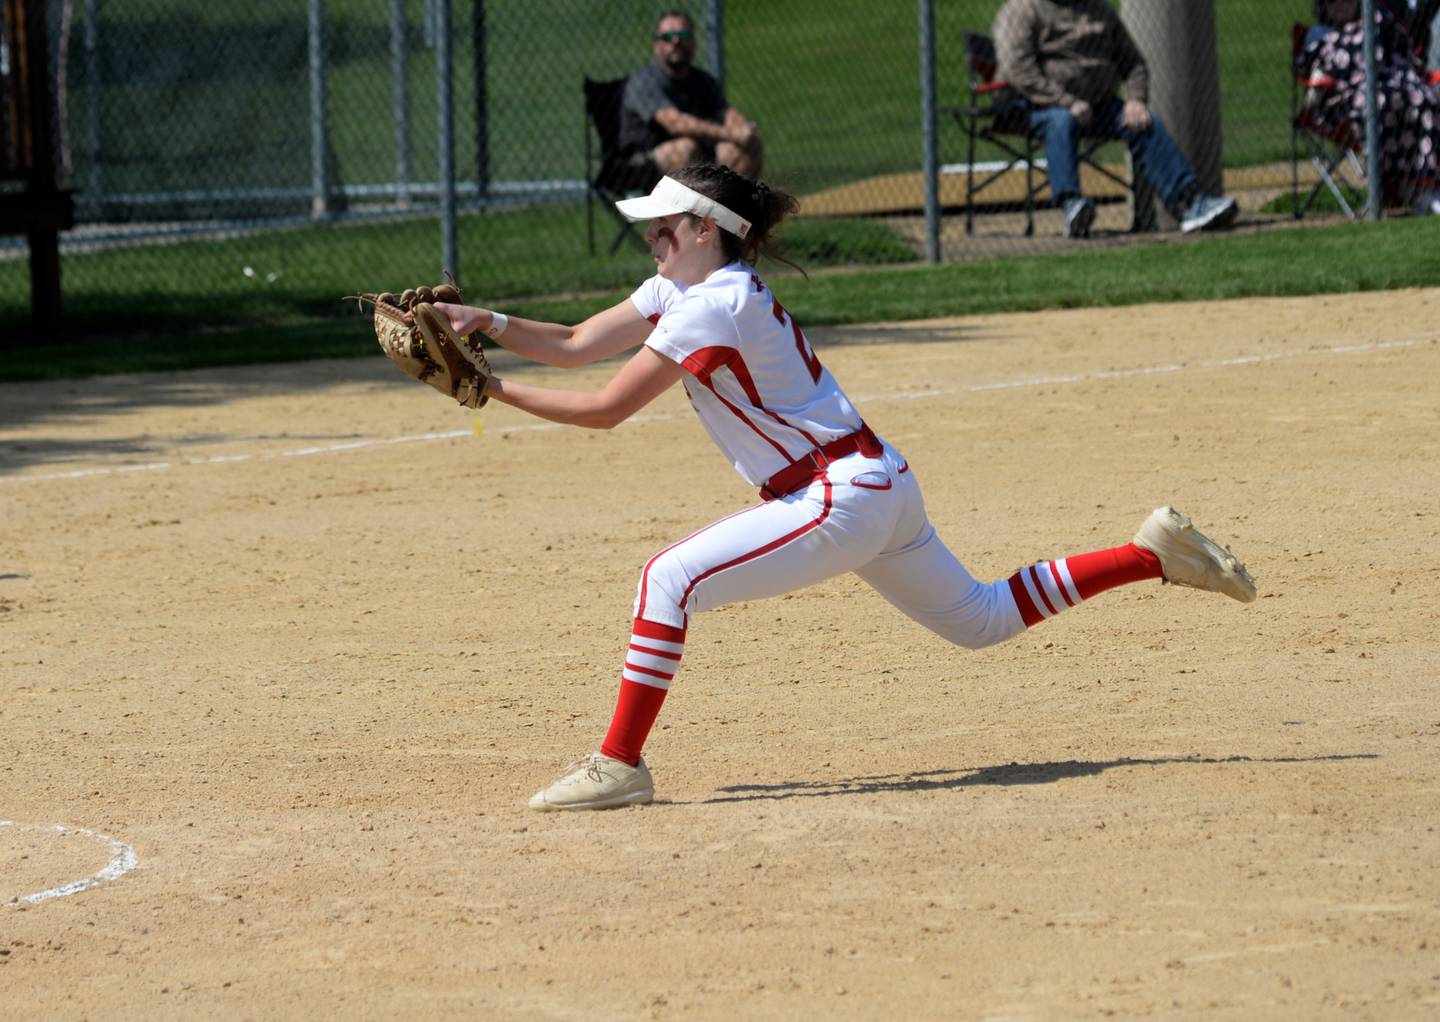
999, 115
611, 173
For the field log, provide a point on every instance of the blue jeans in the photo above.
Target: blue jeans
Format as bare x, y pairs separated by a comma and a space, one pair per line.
1156, 154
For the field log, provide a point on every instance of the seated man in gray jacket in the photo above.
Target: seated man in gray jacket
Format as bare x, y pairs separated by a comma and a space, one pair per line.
674, 113
1067, 58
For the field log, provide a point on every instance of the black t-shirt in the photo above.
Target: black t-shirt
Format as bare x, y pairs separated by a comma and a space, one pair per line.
650, 89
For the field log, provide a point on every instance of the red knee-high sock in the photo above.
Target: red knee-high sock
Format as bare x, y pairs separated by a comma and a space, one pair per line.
650, 666
1043, 590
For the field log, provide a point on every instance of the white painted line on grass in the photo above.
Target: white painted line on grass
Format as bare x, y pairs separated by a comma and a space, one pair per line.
123, 860
911, 395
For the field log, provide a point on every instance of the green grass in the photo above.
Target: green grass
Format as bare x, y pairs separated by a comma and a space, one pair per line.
202, 284
1324, 201
1314, 260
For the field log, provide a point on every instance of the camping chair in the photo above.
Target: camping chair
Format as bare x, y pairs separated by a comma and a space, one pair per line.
1334, 152
618, 174
1000, 116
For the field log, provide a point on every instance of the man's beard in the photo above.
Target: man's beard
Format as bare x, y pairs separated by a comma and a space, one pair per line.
678, 61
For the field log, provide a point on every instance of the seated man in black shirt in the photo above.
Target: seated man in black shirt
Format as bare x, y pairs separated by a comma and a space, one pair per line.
676, 113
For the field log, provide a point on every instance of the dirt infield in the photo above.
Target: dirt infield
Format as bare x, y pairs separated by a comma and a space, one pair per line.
302, 642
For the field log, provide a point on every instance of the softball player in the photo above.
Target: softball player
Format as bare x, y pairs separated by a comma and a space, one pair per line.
834, 497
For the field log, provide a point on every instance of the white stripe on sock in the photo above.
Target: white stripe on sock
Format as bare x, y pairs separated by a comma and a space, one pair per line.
1052, 586
1063, 567
645, 679
1026, 577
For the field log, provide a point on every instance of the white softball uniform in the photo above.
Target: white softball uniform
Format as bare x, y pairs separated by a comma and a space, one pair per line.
836, 498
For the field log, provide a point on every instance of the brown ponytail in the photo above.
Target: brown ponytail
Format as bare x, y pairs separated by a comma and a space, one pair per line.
765, 206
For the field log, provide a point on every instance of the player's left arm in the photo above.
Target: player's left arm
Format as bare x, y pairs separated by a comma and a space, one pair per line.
641, 380
606, 333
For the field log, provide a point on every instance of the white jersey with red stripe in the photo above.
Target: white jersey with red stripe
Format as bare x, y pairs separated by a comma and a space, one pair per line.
757, 386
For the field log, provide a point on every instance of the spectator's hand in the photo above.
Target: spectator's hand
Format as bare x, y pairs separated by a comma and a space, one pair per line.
1082, 112
1136, 116
742, 133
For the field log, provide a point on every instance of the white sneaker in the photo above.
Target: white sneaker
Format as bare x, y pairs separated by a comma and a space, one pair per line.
1189, 558
1209, 213
1079, 215
595, 781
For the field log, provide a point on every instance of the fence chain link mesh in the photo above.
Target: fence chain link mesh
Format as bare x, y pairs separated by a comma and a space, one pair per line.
248, 164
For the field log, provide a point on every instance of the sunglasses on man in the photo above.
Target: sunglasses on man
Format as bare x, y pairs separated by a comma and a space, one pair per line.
683, 35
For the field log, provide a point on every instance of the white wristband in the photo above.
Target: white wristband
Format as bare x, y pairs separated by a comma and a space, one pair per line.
498, 322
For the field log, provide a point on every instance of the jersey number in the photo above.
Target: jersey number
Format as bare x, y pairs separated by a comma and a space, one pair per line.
811, 362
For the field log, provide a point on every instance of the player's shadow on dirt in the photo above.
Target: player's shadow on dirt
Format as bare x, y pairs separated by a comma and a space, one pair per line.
1010, 773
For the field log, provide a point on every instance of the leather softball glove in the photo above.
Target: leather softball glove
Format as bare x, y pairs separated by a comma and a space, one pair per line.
418, 338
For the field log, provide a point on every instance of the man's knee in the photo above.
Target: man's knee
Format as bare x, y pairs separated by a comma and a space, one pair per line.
744, 160
1056, 120
677, 152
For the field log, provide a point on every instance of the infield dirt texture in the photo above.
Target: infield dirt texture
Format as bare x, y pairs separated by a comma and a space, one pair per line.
306, 643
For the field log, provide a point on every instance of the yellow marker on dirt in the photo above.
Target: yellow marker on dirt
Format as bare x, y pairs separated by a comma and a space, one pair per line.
477, 426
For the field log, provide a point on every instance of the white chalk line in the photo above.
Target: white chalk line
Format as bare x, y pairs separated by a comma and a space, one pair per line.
913, 395
123, 860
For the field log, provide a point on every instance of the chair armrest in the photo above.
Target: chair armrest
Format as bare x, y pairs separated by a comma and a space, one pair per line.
991, 86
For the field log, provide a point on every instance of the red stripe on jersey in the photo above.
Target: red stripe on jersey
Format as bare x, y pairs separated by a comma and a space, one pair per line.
1029, 613
667, 654
734, 410
705, 362
747, 383
654, 318
760, 551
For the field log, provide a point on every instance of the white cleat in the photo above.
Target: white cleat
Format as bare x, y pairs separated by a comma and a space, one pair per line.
1190, 558
595, 781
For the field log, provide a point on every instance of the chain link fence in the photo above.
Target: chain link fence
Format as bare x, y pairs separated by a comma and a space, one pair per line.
249, 163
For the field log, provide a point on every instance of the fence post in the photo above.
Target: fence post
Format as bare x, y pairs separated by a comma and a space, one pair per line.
482, 101
94, 94
400, 88
930, 149
445, 92
715, 38
319, 157
1372, 116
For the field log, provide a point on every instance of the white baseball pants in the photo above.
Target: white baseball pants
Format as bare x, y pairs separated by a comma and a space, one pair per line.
867, 516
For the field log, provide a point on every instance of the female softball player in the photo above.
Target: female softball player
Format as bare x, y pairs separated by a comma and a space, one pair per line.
834, 497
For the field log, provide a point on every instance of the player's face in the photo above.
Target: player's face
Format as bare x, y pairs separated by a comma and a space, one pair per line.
683, 251
675, 43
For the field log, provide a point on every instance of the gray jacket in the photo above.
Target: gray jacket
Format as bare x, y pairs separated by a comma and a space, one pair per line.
1054, 52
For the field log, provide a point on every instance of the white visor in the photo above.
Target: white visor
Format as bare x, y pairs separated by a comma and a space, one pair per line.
671, 197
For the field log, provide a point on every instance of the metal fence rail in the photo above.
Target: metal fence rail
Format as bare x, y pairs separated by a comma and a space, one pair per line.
202, 138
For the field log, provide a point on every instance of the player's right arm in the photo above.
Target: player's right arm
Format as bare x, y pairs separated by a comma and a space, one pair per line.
606, 333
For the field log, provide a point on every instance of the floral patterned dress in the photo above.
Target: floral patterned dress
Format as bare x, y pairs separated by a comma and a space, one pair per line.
1409, 106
